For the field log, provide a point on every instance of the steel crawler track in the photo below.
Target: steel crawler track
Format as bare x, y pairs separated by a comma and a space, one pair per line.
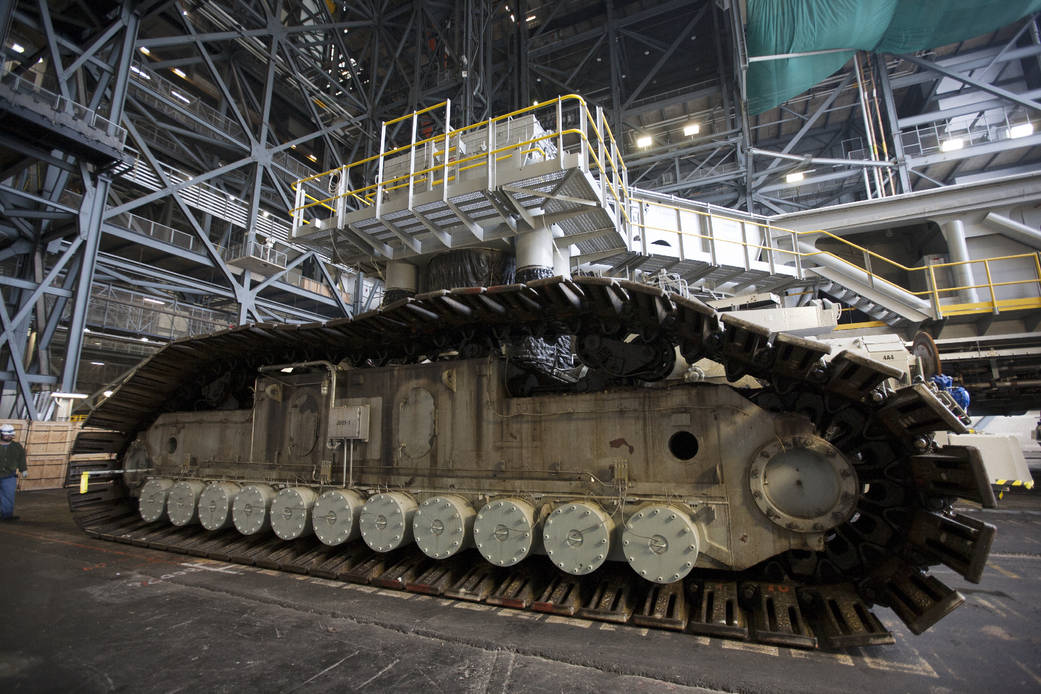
902, 524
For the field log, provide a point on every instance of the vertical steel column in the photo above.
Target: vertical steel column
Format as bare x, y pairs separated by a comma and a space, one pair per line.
615, 68
893, 119
89, 222
954, 234
6, 10
92, 208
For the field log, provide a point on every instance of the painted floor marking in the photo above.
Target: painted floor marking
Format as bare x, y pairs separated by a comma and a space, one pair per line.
840, 658
1003, 572
570, 621
753, 647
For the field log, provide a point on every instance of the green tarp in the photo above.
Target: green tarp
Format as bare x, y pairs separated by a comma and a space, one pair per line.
776, 27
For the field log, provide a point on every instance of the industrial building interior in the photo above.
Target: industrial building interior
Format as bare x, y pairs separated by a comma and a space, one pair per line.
175, 168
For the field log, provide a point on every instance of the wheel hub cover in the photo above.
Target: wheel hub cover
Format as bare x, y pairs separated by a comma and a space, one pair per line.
577, 536
661, 543
503, 531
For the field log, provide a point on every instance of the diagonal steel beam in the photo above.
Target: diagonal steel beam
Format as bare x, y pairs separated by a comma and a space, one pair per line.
333, 288
185, 210
16, 361
281, 273
45, 284
676, 43
973, 82
219, 81
821, 110
91, 50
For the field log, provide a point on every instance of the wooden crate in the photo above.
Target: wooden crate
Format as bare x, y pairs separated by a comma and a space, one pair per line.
47, 446
51, 438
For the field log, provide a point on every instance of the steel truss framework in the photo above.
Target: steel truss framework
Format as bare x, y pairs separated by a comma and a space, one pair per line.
219, 107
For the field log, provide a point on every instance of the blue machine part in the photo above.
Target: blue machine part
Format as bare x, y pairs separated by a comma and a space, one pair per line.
960, 395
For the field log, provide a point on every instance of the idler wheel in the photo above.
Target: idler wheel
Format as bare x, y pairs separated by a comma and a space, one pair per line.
215, 504
803, 484
504, 530
577, 537
443, 525
250, 509
661, 543
386, 521
152, 503
335, 516
182, 503
291, 512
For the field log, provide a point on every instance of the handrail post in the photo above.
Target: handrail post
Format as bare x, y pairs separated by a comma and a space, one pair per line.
560, 132
990, 283
298, 211
935, 294
341, 198
1037, 268
614, 177
491, 153
770, 248
379, 170
600, 145
867, 269
412, 159
798, 255
744, 245
643, 229
679, 235
448, 137
583, 126
711, 234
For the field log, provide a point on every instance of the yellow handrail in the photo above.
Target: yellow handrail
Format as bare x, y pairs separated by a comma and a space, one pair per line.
612, 172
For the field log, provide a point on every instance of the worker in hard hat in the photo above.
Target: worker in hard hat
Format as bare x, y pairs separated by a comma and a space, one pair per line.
12, 462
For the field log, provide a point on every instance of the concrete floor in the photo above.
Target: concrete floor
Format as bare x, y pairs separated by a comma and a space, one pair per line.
82, 615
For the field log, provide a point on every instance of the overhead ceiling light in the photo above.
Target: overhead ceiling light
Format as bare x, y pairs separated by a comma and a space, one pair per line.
287, 370
951, 145
312, 157
530, 18
144, 49
181, 96
644, 141
98, 363
292, 146
795, 177
155, 301
70, 396
180, 73
107, 393
17, 48
1021, 130
691, 129
139, 72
